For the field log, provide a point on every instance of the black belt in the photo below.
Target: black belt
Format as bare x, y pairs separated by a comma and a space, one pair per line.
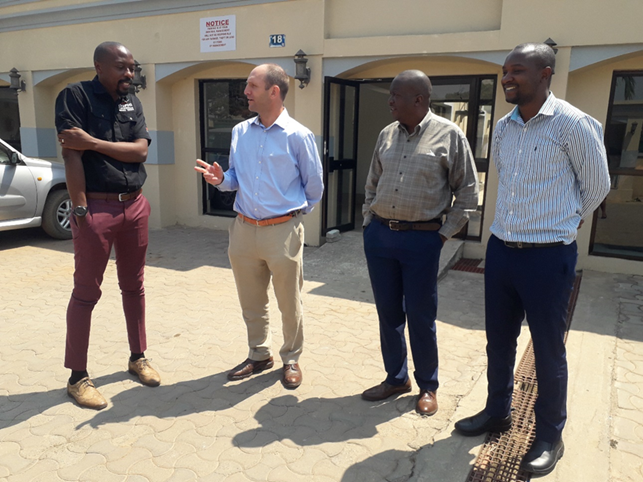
395, 225
521, 245
113, 196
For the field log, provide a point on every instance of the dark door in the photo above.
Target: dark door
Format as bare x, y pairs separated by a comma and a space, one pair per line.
341, 107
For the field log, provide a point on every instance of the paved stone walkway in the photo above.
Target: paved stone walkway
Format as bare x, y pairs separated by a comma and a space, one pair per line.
199, 426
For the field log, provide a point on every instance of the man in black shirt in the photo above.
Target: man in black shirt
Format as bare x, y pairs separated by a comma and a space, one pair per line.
104, 140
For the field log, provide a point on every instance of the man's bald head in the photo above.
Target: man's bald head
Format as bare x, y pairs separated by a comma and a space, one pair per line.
417, 82
107, 49
542, 55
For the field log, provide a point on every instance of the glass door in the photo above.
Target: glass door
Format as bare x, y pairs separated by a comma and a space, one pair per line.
340, 153
468, 102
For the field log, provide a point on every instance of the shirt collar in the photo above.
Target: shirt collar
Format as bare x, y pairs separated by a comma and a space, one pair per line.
548, 108
418, 128
281, 121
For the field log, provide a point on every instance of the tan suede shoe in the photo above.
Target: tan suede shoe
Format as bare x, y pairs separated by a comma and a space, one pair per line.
145, 372
85, 393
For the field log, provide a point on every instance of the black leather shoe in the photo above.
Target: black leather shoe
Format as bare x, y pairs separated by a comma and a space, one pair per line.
542, 457
481, 423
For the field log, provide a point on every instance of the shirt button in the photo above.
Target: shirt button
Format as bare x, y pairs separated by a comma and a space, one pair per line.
509, 232
404, 157
520, 151
396, 190
511, 212
513, 193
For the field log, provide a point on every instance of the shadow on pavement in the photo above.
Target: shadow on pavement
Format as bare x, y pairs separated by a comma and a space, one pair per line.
315, 421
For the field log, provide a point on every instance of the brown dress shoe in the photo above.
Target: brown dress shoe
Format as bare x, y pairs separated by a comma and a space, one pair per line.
85, 393
291, 377
385, 390
249, 367
427, 403
146, 374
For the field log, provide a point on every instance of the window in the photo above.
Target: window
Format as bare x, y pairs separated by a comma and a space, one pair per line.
10, 118
223, 105
617, 228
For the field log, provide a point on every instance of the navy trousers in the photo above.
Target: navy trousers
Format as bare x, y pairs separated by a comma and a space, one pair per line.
403, 267
536, 282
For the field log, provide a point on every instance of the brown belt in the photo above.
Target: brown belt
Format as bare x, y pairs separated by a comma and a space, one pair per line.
113, 196
395, 225
521, 245
269, 221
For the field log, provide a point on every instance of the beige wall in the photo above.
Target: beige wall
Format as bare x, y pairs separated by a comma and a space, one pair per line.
379, 18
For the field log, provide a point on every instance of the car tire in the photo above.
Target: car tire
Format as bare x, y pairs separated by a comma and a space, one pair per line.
56, 215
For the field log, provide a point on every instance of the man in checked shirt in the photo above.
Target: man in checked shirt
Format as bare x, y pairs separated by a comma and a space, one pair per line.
421, 162
552, 171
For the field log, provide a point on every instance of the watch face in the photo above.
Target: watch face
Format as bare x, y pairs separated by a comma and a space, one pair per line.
80, 210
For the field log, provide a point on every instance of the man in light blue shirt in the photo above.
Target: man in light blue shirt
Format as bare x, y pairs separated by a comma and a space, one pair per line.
552, 173
277, 174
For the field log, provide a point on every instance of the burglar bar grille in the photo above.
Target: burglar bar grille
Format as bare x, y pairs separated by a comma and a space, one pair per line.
500, 456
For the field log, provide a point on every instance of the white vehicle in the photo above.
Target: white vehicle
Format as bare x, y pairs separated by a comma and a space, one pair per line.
33, 192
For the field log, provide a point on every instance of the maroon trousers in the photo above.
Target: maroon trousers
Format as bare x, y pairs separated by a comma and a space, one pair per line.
123, 225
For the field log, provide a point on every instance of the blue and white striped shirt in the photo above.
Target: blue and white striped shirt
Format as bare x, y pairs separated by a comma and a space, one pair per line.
552, 173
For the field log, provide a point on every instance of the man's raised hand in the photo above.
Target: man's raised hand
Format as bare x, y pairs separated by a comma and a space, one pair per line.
213, 174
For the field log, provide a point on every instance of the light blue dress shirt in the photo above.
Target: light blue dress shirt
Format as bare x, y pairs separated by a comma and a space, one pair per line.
552, 172
275, 170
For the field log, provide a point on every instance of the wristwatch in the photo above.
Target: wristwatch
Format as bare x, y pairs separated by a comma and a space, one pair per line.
80, 211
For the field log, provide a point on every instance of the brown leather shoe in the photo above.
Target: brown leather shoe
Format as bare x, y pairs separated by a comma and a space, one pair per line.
146, 374
249, 367
291, 377
85, 393
427, 403
385, 390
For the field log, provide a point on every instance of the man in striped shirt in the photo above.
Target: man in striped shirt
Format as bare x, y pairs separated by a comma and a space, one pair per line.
552, 171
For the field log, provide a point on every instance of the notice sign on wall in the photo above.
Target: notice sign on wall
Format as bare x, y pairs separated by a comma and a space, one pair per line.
218, 34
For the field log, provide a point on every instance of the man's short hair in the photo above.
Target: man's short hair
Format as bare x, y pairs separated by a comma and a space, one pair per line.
105, 49
275, 75
542, 54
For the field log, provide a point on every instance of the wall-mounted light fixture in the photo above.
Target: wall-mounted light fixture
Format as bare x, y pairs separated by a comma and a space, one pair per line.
138, 81
552, 44
16, 84
302, 73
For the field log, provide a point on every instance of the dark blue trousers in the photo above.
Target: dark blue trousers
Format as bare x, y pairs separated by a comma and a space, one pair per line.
536, 282
403, 267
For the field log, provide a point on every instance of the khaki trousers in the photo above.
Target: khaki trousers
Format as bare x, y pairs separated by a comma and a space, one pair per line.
257, 254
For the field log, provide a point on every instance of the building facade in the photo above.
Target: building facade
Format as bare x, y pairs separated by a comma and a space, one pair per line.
196, 54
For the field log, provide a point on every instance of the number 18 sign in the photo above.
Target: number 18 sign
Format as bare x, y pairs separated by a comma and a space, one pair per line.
278, 40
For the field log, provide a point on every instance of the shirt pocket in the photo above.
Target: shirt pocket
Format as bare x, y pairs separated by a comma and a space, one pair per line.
547, 161
125, 126
100, 123
430, 168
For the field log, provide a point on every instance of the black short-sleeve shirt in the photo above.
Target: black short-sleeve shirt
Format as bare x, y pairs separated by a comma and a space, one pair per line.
90, 107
